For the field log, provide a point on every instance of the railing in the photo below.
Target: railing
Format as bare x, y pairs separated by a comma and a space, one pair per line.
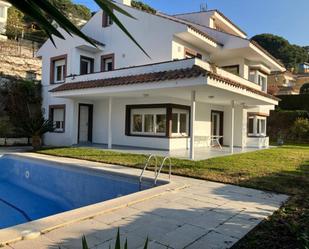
156, 171
146, 166
162, 165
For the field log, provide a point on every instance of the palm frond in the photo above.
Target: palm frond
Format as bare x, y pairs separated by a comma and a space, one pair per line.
37, 8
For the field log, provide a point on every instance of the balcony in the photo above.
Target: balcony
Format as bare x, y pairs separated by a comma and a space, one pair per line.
159, 67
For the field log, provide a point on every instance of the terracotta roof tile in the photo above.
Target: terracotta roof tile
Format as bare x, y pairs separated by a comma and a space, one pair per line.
186, 73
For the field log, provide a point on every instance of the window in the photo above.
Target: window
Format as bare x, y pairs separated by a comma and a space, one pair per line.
57, 116
232, 69
107, 63
2, 12
148, 121
192, 54
256, 126
262, 81
58, 69
86, 65
106, 20
180, 122
163, 120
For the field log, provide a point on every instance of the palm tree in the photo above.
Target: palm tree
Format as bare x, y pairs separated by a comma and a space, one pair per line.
38, 8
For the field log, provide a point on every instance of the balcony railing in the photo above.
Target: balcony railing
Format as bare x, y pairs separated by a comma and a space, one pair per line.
157, 67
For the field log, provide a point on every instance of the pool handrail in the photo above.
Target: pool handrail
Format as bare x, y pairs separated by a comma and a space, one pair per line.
162, 165
147, 164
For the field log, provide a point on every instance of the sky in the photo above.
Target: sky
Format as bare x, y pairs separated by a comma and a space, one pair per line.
286, 18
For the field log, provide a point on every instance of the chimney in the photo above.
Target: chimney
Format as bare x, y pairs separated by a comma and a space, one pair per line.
125, 2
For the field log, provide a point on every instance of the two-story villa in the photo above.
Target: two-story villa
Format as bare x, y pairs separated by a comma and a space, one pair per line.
204, 83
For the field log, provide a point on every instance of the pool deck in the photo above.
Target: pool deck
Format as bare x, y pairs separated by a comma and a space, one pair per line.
189, 213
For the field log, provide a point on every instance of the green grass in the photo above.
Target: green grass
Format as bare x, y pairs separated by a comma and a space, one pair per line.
283, 170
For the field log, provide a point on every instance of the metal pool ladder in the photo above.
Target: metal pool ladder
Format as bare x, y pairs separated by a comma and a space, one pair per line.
156, 171
162, 165
146, 165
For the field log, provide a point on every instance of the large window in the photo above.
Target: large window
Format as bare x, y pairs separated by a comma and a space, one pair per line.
58, 69
256, 126
148, 122
180, 122
234, 69
163, 120
86, 65
107, 62
57, 116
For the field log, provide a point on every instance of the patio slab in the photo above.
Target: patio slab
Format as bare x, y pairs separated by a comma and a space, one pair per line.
202, 215
201, 153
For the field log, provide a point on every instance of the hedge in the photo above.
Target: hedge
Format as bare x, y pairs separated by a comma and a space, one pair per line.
280, 123
294, 102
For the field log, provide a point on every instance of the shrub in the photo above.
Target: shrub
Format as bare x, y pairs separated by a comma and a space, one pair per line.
304, 89
300, 129
280, 122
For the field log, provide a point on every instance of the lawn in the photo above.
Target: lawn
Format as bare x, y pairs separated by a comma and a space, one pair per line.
283, 170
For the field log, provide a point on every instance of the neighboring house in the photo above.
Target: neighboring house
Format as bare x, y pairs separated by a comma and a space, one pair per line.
282, 83
303, 68
4, 5
204, 80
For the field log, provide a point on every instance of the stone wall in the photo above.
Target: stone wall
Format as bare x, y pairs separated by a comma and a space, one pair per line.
20, 67
17, 59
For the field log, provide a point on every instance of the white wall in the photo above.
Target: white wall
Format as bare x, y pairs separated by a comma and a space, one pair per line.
3, 19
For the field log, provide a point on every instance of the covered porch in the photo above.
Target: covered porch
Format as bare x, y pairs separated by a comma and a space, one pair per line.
178, 112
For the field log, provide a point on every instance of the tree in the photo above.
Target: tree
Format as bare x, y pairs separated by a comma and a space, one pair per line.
304, 89
291, 55
142, 6
38, 9
15, 23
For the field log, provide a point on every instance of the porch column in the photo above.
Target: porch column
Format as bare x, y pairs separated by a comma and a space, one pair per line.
232, 126
109, 132
192, 121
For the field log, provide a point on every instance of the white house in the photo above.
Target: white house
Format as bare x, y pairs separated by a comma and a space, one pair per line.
205, 81
4, 5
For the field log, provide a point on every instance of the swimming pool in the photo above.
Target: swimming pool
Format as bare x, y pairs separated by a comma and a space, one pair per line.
33, 189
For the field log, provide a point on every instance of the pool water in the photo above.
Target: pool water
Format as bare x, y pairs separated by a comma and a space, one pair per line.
33, 189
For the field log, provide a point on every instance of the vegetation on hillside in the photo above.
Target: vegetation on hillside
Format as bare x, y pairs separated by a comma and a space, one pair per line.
290, 55
142, 6
45, 12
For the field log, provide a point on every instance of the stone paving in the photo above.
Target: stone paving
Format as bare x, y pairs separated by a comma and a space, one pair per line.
202, 215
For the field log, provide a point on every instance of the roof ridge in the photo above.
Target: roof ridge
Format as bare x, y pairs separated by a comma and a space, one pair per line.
220, 13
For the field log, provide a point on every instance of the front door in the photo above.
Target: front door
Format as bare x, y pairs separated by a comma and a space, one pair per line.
85, 123
217, 124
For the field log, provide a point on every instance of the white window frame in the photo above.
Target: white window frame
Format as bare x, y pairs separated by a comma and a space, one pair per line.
59, 63
143, 113
178, 112
257, 126
53, 109
262, 83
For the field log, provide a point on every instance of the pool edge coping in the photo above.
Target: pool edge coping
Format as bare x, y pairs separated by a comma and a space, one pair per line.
42, 226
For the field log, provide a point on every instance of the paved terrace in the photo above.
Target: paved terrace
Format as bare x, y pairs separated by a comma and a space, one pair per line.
202, 214
200, 153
